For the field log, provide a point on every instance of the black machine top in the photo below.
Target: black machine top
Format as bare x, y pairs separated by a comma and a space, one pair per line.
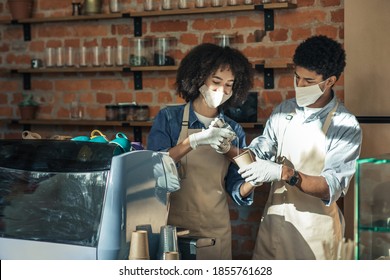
55, 155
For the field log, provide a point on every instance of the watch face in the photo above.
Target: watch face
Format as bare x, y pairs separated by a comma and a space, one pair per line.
294, 179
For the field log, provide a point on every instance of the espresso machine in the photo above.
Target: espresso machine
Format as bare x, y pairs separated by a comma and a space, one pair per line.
77, 200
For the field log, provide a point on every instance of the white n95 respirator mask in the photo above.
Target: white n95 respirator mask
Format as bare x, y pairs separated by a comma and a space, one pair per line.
214, 98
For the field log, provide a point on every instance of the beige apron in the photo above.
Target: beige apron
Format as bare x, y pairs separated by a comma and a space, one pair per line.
298, 225
201, 203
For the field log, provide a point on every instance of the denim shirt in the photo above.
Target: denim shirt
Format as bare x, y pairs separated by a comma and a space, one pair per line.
165, 132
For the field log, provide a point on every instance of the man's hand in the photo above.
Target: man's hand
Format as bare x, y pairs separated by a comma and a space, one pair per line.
261, 171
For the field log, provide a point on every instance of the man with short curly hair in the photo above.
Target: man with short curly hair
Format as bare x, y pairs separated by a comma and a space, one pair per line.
308, 151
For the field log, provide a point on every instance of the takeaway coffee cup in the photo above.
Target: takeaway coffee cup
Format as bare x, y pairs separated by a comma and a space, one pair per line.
139, 245
244, 159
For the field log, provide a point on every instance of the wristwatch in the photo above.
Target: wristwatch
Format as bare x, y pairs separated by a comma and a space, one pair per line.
294, 179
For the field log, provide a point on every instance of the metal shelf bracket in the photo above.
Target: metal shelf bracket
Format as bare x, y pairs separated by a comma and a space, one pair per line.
26, 81
268, 76
137, 26
268, 17
27, 31
137, 80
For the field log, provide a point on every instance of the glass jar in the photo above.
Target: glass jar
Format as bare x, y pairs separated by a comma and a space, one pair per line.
149, 5
142, 113
112, 112
123, 111
166, 4
224, 40
131, 115
164, 51
200, 4
232, 2
216, 3
183, 4
140, 51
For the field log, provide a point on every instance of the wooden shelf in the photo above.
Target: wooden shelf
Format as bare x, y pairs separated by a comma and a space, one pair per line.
5, 21
154, 68
278, 63
206, 10
75, 18
94, 69
136, 125
210, 10
129, 14
267, 64
263, 66
105, 123
84, 122
70, 70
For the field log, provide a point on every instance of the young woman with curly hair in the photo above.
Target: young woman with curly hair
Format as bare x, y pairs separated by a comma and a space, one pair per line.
209, 79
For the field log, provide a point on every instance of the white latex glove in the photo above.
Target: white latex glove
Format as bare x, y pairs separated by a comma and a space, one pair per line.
261, 171
217, 122
223, 147
210, 136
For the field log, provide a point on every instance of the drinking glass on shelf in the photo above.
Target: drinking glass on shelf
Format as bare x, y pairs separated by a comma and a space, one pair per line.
232, 2
50, 57
120, 55
148, 5
76, 111
109, 56
200, 4
84, 55
60, 57
216, 3
96, 60
70, 56
182, 4
114, 6
166, 5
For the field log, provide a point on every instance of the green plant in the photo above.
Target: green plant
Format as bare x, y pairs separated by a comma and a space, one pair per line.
28, 100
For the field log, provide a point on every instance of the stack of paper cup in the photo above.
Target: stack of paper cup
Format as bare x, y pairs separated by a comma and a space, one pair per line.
139, 245
170, 256
244, 159
168, 240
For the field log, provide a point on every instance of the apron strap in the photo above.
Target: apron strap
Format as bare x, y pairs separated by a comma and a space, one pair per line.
184, 130
329, 118
185, 122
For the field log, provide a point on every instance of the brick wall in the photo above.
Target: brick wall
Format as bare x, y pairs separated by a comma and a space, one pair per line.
55, 92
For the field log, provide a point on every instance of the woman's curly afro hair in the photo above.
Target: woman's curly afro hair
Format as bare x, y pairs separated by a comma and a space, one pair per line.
321, 54
203, 61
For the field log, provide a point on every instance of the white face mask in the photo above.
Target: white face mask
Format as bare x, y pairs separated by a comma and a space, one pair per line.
214, 98
306, 96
